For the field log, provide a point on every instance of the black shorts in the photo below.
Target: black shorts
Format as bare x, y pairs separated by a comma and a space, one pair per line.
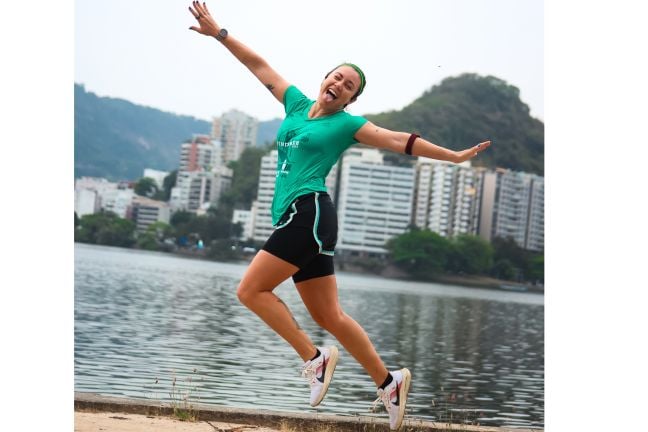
306, 235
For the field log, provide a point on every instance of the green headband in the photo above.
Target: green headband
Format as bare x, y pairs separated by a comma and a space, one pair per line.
363, 80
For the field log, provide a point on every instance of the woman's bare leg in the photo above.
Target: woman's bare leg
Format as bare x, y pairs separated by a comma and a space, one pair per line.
320, 295
265, 272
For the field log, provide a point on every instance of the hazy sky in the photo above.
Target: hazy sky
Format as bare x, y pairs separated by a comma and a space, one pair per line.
143, 50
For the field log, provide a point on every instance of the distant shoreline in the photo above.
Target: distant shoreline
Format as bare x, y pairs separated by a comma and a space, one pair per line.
388, 272
392, 272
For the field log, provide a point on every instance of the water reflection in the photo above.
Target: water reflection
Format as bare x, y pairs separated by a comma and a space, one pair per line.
143, 319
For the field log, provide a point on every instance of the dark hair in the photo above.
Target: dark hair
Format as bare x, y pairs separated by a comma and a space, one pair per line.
363, 80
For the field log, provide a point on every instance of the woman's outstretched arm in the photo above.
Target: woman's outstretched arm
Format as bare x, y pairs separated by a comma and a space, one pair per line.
250, 59
375, 136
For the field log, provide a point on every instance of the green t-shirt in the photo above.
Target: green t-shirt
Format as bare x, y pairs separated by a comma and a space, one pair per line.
308, 149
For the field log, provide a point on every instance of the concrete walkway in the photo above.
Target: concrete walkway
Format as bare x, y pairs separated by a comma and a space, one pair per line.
94, 413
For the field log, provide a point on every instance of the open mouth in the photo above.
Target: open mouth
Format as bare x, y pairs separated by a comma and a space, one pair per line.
331, 95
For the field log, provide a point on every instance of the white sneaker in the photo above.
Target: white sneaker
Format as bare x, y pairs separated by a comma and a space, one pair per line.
319, 373
394, 397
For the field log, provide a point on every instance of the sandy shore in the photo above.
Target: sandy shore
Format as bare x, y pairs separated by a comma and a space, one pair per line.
124, 422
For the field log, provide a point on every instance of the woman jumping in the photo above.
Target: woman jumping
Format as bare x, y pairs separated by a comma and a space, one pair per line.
310, 141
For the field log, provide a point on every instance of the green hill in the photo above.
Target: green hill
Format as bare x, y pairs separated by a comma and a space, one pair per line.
117, 139
464, 110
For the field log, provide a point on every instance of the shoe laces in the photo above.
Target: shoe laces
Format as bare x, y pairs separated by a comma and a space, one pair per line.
384, 397
309, 371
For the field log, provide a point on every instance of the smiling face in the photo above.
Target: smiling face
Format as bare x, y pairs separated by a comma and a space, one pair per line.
339, 88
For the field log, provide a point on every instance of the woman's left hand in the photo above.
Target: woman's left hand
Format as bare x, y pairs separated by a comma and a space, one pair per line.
470, 153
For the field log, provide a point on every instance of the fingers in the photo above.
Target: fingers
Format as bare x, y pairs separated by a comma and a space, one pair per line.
479, 148
482, 146
199, 8
195, 14
205, 7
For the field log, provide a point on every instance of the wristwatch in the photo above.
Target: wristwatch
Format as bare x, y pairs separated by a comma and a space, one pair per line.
222, 34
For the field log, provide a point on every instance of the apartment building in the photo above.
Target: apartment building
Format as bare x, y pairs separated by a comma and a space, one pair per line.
447, 199
145, 212
375, 202
201, 153
513, 207
202, 176
237, 131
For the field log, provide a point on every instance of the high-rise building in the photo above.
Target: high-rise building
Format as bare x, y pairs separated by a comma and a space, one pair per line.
202, 177
237, 131
513, 207
201, 153
447, 199
263, 204
374, 202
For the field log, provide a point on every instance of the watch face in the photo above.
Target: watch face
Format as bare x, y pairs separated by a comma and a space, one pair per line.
222, 33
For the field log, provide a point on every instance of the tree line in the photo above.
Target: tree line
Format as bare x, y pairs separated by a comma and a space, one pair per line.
425, 255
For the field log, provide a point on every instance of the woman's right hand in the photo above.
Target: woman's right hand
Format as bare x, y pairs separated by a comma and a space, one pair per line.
208, 26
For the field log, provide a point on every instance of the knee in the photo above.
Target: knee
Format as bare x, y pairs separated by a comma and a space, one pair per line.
244, 294
331, 322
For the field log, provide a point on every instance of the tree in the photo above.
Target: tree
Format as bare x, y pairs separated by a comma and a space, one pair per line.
536, 268
471, 255
503, 269
245, 180
181, 217
422, 253
146, 186
106, 228
168, 184
120, 232
506, 249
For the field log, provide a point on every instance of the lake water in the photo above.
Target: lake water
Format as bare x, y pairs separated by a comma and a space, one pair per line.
161, 327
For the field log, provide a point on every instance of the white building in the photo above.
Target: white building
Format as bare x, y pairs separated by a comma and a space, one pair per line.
535, 225
237, 131
246, 219
86, 201
447, 199
513, 206
145, 211
196, 190
118, 201
375, 202
263, 204
108, 196
97, 184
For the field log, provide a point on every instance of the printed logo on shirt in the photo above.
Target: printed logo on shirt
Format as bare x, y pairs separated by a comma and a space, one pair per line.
286, 149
